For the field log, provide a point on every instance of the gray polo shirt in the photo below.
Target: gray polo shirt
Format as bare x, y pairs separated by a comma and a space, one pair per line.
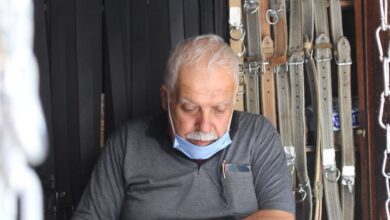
141, 176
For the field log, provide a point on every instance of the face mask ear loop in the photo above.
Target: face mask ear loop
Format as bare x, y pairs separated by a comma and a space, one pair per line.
170, 116
231, 117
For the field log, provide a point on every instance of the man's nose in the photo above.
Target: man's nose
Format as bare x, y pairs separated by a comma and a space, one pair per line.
204, 122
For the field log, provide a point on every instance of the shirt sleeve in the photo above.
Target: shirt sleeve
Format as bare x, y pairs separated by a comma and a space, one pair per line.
271, 177
103, 196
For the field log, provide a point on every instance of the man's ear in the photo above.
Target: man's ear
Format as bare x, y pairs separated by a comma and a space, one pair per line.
164, 97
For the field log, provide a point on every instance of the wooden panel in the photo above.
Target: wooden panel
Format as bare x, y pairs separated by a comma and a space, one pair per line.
365, 197
370, 81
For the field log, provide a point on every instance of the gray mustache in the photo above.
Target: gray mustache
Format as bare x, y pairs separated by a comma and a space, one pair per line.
202, 136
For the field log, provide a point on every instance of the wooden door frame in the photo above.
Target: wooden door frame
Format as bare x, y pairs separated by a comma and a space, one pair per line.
372, 144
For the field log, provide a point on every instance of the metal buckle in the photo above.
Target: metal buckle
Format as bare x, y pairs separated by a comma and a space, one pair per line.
323, 59
263, 64
277, 68
296, 63
345, 63
257, 66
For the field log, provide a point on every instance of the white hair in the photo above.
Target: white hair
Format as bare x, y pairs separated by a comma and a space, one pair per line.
192, 51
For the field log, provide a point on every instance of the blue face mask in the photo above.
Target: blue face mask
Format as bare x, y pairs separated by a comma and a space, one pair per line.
196, 152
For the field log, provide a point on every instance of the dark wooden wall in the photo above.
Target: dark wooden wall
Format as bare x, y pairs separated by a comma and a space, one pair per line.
117, 48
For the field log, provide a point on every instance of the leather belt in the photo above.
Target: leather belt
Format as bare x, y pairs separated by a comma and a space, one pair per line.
276, 17
267, 80
252, 96
323, 57
251, 12
296, 64
342, 51
311, 73
237, 35
253, 59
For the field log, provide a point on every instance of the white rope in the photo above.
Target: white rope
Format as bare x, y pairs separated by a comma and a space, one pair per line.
22, 126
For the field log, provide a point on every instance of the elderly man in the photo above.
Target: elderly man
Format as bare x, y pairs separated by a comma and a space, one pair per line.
201, 159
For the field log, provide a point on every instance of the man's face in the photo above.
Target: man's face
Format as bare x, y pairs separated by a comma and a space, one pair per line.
202, 101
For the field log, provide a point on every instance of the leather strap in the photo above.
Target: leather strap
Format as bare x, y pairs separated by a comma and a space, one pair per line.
276, 16
311, 75
41, 51
252, 60
252, 95
252, 29
323, 57
284, 105
347, 145
296, 61
237, 35
89, 56
267, 80
64, 107
318, 186
343, 61
176, 24
117, 98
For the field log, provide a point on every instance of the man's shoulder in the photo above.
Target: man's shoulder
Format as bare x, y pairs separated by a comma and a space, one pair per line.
139, 127
255, 121
254, 127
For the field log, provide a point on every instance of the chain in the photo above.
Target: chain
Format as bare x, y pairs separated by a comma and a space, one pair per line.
385, 60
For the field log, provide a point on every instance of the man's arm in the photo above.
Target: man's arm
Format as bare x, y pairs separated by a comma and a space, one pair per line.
271, 177
270, 215
103, 196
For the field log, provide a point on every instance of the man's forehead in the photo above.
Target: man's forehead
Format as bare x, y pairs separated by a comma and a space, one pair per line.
185, 100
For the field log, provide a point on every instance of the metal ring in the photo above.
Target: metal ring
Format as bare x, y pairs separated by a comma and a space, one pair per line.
248, 4
272, 14
332, 170
242, 31
301, 191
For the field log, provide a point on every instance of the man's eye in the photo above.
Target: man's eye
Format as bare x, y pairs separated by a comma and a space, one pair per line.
189, 109
219, 110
